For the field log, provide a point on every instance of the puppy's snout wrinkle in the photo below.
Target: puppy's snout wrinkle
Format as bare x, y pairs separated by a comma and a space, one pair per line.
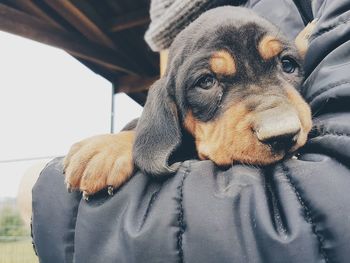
278, 127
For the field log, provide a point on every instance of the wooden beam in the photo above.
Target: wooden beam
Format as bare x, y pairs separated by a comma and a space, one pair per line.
71, 13
81, 22
30, 7
139, 97
132, 84
19, 23
136, 18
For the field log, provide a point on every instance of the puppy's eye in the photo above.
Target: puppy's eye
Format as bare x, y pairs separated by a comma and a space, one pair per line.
288, 65
206, 82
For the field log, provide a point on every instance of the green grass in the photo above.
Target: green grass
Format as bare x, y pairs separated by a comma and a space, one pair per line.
17, 252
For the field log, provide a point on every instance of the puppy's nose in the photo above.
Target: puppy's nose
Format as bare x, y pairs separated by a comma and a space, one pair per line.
283, 141
280, 128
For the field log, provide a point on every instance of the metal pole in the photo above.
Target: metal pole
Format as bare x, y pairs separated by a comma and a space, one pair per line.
112, 108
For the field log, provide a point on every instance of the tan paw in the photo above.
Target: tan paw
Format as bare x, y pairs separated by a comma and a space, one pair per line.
302, 39
99, 162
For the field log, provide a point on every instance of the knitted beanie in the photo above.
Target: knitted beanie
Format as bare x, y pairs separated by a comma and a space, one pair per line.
169, 17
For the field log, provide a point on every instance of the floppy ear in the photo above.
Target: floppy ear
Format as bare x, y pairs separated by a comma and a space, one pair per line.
158, 132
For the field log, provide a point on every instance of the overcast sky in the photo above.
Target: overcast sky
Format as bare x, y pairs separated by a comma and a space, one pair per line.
48, 100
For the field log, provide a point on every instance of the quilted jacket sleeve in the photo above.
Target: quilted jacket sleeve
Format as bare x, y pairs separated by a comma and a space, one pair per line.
321, 178
295, 211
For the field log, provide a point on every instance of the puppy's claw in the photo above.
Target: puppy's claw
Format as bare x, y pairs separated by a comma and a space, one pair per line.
99, 162
110, 190
69, 187
85, 196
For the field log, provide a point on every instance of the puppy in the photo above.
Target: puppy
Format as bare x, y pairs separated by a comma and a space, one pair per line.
229, 94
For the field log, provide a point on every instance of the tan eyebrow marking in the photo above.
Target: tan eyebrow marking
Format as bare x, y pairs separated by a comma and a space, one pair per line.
221, 62
269, 47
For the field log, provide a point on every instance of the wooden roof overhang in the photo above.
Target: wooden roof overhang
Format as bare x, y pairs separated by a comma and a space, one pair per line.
105, 35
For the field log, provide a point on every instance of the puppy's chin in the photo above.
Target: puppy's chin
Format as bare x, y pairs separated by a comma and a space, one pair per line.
246, 149
258, 154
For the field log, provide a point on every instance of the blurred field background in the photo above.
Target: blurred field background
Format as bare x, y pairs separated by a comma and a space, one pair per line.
15, 241
17, 252
40, 120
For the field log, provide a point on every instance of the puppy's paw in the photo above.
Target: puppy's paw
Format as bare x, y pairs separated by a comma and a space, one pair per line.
302, 39
99, 162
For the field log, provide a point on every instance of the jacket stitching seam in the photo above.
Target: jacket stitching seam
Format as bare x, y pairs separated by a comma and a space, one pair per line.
307, 214
327, 88
320, 131
32, 235
338, 134
31, 217
74, 222
149, 207
180, 217
328, 29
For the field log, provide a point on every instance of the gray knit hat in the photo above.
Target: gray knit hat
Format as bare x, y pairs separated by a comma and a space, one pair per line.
169, 17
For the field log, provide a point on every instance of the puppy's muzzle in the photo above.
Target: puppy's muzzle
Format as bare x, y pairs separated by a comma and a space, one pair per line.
278, 127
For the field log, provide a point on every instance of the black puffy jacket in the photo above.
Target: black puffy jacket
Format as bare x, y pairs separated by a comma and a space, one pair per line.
295, 211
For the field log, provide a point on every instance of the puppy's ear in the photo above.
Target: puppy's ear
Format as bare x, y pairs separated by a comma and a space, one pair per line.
157, 133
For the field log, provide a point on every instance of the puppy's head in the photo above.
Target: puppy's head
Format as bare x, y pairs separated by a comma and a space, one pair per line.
232, 83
